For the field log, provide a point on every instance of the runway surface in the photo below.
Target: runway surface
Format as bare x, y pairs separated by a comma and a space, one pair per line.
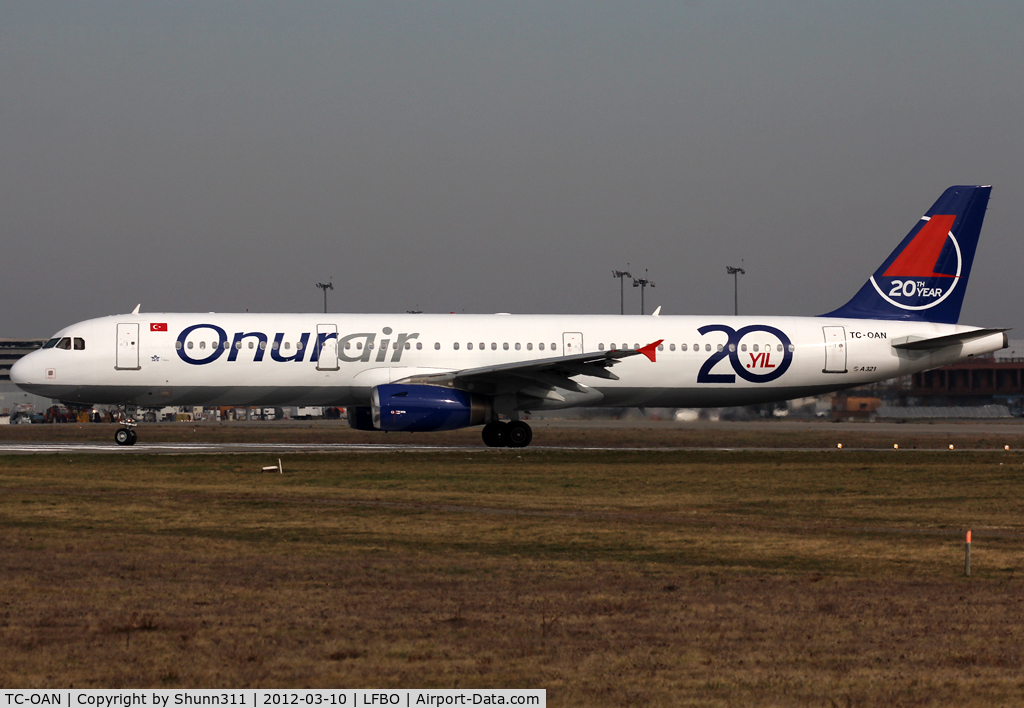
52, 448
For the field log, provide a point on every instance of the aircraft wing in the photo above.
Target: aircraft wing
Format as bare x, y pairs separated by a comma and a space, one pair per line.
538, 374
949, 340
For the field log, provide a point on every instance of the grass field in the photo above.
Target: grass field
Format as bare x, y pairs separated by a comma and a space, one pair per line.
610, 578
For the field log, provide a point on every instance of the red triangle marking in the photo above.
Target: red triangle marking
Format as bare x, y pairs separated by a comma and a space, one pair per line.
651, 349
918, 259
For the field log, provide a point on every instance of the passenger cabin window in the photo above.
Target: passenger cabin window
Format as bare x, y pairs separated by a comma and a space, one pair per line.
469, 345
529, 346
456, 345
517, 346
600, 347
505, 346
541, 346
682, 347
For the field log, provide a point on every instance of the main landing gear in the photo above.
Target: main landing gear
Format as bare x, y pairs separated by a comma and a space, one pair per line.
513, 434
127, 434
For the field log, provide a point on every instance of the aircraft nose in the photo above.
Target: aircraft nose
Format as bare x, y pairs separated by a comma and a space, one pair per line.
19, 371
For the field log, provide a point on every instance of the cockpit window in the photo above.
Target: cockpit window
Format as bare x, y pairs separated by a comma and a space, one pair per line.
64, 343
79, 344
52, 343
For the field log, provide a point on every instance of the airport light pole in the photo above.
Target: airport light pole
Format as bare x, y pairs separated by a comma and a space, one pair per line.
620, 274
735, 273
325, 287
642, 283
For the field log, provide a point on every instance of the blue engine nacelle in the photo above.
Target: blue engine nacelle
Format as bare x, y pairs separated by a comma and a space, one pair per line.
419, 408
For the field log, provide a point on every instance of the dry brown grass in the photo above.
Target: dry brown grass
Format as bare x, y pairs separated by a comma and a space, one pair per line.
669, 578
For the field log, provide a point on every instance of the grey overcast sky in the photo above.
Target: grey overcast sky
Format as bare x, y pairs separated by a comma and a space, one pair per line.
494, 157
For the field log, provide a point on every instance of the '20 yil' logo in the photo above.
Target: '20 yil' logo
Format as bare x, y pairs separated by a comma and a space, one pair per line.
732, 350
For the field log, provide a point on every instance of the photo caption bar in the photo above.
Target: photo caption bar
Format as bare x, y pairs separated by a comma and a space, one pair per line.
263, 698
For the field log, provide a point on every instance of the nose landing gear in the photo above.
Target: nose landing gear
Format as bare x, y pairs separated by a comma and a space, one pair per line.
127, 434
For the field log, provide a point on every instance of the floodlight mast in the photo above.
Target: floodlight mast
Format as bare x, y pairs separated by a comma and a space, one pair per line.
735, 273
642, 283
620, 274
325, 287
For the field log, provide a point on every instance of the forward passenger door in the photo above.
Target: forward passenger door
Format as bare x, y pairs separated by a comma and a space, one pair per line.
127, 346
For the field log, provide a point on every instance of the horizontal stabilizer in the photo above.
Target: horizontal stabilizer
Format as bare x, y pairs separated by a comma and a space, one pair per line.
948, 340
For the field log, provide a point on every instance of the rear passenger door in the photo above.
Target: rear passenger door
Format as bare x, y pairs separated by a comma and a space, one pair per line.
835, 350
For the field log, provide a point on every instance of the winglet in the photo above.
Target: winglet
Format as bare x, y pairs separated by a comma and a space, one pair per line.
651, 349
136, 310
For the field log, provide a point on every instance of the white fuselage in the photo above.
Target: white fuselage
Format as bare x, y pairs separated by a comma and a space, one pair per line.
312, 359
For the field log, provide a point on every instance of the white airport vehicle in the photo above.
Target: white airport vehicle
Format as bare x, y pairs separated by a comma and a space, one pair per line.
421, 372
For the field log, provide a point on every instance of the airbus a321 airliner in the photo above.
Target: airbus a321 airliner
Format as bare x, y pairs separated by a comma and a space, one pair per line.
419, 372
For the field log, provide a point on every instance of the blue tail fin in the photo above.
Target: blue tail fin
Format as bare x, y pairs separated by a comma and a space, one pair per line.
926, 276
